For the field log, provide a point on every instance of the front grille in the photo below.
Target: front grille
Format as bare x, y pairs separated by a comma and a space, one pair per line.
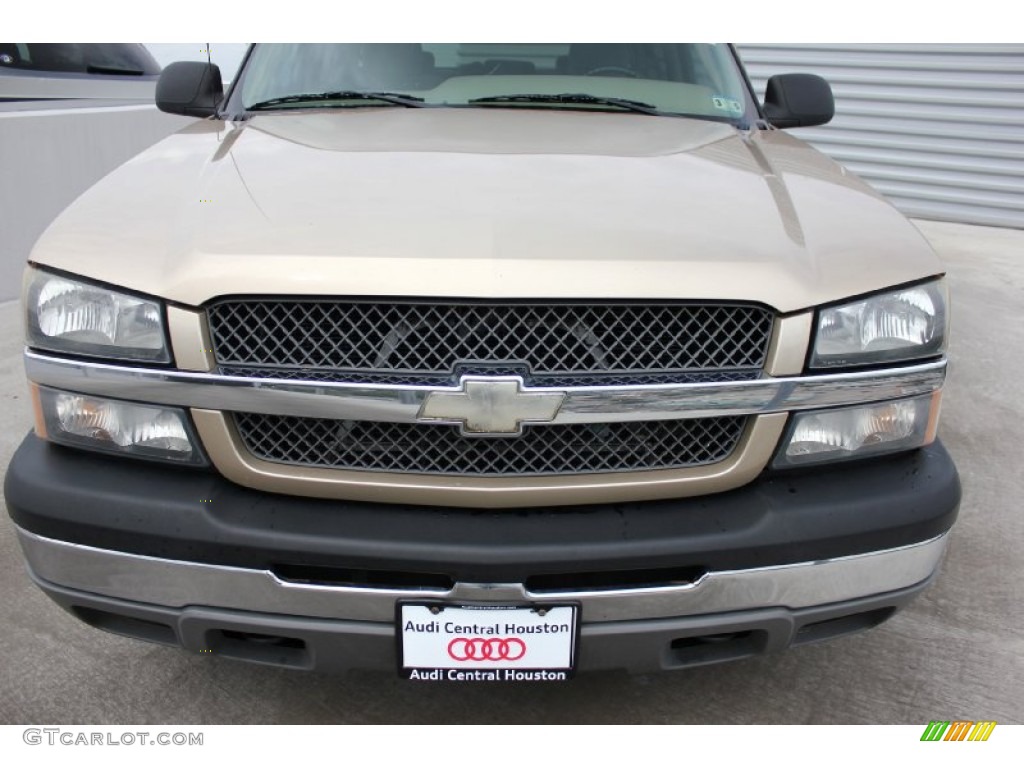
435, 342
441, 450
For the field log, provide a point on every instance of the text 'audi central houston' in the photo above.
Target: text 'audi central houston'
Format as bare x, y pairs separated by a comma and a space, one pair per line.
491, 362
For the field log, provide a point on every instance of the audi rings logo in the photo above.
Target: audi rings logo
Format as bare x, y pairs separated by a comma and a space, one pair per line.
487, 649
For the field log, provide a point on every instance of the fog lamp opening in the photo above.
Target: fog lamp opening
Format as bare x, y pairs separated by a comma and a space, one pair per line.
116, 426
860, 431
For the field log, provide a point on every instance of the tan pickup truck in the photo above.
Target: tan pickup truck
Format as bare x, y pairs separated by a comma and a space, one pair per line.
484, 362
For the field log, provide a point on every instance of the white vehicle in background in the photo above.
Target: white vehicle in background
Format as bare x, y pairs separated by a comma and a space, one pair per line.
48, 71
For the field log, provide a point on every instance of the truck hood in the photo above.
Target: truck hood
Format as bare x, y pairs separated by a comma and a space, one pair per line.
501, 203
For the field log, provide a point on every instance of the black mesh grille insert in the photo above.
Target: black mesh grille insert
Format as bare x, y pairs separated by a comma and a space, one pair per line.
441, 449
438, 338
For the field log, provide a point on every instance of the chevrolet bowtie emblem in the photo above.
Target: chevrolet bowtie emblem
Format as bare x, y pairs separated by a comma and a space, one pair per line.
491, 405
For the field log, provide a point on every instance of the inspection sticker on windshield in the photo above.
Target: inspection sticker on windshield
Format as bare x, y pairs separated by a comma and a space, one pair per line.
726, 104
487, 643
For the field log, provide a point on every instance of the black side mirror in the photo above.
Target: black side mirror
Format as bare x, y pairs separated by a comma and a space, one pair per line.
798, 101
190, 88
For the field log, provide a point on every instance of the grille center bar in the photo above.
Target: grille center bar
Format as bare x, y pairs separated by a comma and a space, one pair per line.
402, 404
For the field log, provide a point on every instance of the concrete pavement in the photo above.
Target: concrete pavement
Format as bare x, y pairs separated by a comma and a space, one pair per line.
956, 653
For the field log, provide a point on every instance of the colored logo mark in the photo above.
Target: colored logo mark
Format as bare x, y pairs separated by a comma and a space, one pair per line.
958, 730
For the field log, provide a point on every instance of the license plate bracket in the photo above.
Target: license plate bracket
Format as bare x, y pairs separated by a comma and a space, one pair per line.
486, 643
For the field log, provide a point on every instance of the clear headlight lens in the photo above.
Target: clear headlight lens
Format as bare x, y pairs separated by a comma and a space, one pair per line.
867, 430
901, 325
68, 315
116, 426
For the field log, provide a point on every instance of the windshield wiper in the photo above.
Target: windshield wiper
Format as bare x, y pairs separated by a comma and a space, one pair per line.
112, 69
569, 98
400, 99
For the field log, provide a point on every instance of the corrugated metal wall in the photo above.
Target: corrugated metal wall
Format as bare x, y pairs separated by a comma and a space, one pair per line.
938, 129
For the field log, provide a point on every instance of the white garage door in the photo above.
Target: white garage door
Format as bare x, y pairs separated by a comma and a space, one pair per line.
938, 129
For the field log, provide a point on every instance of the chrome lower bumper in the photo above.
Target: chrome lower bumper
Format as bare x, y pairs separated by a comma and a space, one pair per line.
179, 584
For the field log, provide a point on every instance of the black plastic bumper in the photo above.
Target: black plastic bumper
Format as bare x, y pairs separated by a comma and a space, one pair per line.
196, 515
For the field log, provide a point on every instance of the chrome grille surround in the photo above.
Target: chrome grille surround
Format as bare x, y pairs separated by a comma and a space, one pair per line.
441, 449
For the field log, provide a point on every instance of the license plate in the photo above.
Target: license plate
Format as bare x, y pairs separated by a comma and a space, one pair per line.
487, 643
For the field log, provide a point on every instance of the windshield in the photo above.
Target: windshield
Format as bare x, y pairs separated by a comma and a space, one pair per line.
697, 80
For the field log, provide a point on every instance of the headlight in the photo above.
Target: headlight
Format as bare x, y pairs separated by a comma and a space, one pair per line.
116, 426
68, 315
900, 325
859, 432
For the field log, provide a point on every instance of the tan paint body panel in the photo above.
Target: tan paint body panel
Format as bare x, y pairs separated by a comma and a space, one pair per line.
486, 203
